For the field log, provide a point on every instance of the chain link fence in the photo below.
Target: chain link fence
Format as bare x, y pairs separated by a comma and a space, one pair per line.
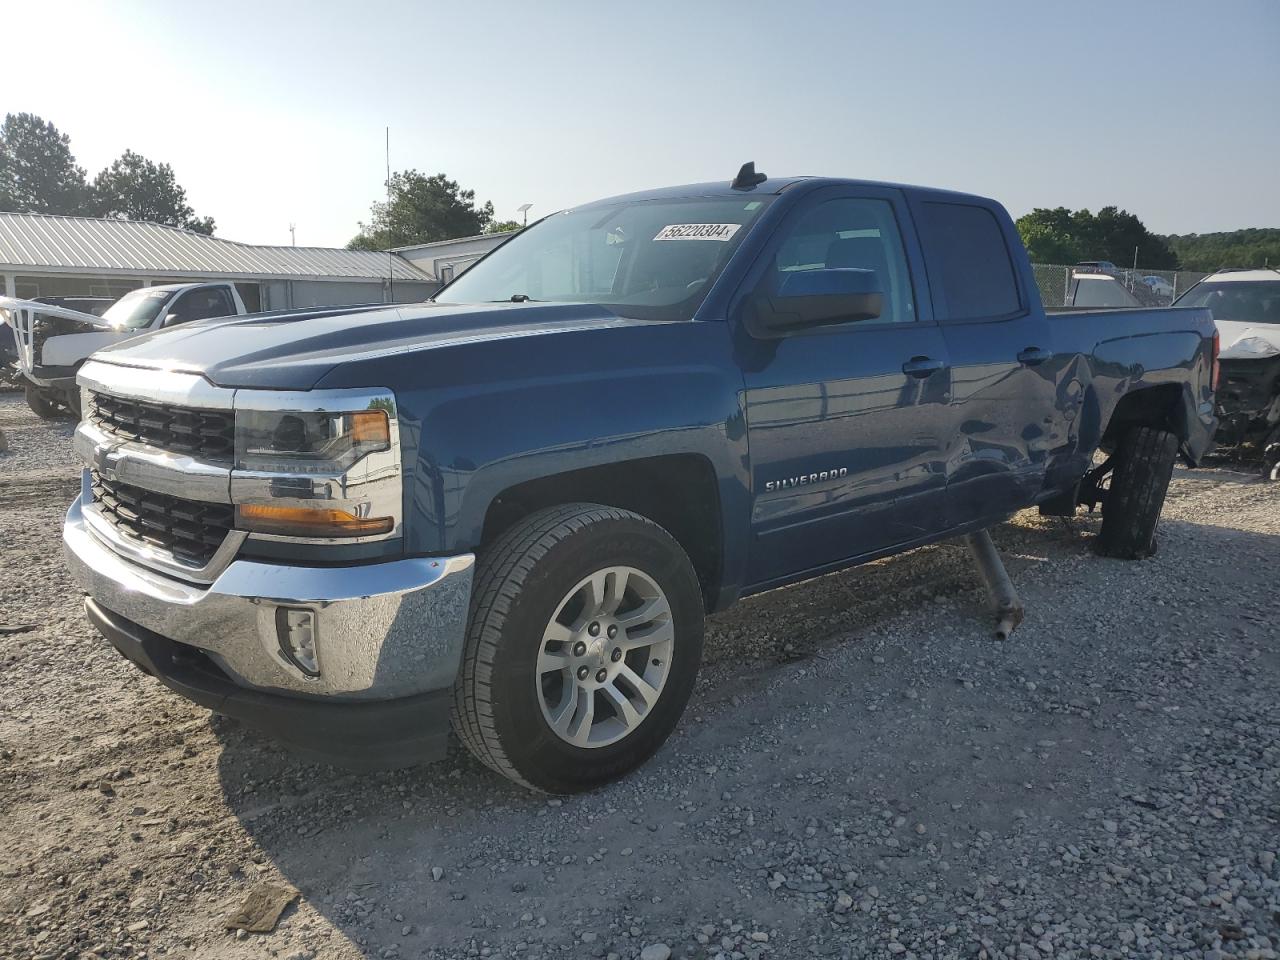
1153, 288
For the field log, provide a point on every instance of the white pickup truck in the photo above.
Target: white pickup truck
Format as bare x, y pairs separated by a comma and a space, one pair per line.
53, 341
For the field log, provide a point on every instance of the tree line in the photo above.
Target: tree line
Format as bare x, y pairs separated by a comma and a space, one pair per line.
39, 174
1255, 247
1060, 235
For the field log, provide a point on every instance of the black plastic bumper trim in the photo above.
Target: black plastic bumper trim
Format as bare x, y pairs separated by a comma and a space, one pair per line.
372, 735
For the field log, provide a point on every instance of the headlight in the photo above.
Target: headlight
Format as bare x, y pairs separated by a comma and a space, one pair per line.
320, 465
296, 442
1253, 348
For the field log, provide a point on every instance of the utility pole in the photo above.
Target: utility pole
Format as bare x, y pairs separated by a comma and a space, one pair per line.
391, 257
293, 239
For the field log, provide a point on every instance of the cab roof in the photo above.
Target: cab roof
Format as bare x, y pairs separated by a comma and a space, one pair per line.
771, 185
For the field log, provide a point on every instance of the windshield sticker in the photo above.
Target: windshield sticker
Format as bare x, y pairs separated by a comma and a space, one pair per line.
698, 231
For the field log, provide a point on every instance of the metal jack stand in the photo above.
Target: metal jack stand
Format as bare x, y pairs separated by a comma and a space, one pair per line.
1008, 608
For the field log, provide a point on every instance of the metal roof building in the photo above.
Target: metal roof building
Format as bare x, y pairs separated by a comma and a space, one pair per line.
42, 255
445, 259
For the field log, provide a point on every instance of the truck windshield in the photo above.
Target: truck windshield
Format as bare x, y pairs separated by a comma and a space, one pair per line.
137, 308
1246, 301
652, 259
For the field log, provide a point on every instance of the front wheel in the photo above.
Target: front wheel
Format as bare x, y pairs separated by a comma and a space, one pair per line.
582, 649
42, 404
1131, 509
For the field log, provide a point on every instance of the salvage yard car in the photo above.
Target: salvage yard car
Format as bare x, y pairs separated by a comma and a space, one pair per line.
511, 506
54, 335
1246, 309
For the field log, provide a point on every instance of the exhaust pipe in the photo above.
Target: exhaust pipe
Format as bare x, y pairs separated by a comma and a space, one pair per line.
1004, 598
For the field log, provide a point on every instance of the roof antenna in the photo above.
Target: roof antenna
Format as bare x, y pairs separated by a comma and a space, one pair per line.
747, 177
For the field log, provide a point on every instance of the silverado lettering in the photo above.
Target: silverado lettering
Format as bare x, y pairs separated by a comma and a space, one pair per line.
818, 477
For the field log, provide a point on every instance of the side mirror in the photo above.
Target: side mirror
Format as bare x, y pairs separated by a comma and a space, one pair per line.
170, 319
817, 298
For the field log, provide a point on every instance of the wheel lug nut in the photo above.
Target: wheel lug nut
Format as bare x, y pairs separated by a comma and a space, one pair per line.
616, 655
602, 675
613, 630
579, 648
582, 673
594, 629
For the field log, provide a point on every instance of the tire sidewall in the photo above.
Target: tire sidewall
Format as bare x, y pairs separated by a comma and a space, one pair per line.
539, 755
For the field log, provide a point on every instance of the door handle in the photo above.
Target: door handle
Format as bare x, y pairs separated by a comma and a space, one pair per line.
921, 367
1033, 355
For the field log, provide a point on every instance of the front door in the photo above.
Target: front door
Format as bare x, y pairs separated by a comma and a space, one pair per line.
845, 422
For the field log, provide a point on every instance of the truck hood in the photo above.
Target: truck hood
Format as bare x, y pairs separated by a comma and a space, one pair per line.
294, 351
1231, 332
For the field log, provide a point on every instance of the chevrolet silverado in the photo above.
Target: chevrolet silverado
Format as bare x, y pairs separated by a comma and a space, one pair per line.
508, 509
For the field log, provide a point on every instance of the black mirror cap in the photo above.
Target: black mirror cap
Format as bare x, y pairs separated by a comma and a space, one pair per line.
810, 300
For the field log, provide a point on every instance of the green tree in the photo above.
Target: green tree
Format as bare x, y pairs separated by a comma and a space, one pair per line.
1255, 247
135, 188
38, 173
504, 226
1060, 235
422, 209
1048, 236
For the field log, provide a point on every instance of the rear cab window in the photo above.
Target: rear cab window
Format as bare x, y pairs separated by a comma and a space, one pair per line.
971, 273
1101, 291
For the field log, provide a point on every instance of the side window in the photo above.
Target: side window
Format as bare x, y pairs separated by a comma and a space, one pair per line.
967, 257
200, 305
862, 234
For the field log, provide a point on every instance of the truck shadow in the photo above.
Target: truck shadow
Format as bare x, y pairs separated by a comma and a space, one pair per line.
433, 856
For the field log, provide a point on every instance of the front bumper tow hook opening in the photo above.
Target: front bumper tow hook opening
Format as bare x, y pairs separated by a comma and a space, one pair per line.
1005, 603
296, 631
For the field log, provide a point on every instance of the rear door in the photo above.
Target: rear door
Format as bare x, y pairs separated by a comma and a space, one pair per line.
1003, 367
846, 422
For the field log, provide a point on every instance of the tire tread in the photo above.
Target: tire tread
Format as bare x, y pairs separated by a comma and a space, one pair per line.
1138, 488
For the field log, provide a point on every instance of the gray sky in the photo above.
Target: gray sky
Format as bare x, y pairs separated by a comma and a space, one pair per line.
273, 112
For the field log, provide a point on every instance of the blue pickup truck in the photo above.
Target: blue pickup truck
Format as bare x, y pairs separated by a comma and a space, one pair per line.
508, 509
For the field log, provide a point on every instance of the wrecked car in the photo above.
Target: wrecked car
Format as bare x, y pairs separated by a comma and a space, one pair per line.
53, 336
1246, 309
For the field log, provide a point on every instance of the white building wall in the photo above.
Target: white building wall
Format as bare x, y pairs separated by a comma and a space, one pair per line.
435, 258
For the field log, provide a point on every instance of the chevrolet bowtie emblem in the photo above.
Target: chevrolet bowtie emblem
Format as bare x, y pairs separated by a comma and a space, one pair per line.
105, 460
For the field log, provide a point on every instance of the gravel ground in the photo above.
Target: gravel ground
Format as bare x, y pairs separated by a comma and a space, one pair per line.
863, 772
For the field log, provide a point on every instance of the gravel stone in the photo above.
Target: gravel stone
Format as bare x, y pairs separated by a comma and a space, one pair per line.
1104, 784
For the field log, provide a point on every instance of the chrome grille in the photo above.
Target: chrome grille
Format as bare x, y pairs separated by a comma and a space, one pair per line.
207, 435
189, 530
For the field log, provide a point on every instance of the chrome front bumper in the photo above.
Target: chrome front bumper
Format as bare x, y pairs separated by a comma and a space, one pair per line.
383, 630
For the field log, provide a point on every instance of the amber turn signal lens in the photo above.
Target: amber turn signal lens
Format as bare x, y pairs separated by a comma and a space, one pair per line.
370, 427
308, 521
